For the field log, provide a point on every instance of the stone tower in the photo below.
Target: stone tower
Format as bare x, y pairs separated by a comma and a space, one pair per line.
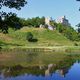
47, 20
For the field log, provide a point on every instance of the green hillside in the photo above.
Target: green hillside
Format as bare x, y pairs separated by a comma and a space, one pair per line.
45, 38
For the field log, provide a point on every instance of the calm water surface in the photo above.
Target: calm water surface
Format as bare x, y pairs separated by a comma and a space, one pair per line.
39, 66
72, 74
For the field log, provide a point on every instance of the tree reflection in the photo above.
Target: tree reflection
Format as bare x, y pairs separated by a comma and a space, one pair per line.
62, 67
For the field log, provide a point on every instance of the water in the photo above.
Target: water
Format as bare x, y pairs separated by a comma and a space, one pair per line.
71, 73
39, 66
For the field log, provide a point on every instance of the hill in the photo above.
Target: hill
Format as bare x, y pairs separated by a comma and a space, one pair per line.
45, 38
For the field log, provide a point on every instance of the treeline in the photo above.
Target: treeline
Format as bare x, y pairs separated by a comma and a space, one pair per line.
69, 32
33, 22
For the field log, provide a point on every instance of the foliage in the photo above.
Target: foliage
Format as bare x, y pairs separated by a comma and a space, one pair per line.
12, 3
75, 44
34, 22
10, 19
79, 36
78, 25
29, 36
13, 21
68, 31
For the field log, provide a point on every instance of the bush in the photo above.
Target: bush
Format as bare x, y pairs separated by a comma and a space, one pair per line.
29, 36
75, 44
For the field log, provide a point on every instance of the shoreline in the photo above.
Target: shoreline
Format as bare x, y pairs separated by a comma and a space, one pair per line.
44, 48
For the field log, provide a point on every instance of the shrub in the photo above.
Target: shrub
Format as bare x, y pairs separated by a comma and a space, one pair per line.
75, 44
29, 36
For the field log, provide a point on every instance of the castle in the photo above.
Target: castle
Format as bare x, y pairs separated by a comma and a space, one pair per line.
47, 23
47, 20
63, 21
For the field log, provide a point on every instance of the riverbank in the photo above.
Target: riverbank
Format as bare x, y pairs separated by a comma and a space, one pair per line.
45, 49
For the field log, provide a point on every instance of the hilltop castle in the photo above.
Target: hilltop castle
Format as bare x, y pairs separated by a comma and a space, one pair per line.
63, 21
47, 22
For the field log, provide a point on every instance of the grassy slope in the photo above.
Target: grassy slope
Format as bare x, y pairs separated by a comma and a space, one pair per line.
45, 38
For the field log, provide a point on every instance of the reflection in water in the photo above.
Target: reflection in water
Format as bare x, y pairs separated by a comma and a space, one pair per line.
52, 73
40, 66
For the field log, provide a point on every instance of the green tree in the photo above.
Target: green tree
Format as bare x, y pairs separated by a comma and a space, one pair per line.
13, 3
78, 25
17, 4
68, 32
34, 22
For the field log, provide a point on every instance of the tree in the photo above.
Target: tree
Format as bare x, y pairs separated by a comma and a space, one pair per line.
78, 25
5, 17
13, 21
17, 4
68, 32
78, 0
33, 22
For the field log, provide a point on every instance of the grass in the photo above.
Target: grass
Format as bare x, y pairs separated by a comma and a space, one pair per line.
46, 38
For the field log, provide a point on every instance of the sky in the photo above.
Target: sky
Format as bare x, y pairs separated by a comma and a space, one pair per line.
50, 8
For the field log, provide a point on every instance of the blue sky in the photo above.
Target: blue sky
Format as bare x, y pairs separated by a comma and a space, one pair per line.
52, 8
